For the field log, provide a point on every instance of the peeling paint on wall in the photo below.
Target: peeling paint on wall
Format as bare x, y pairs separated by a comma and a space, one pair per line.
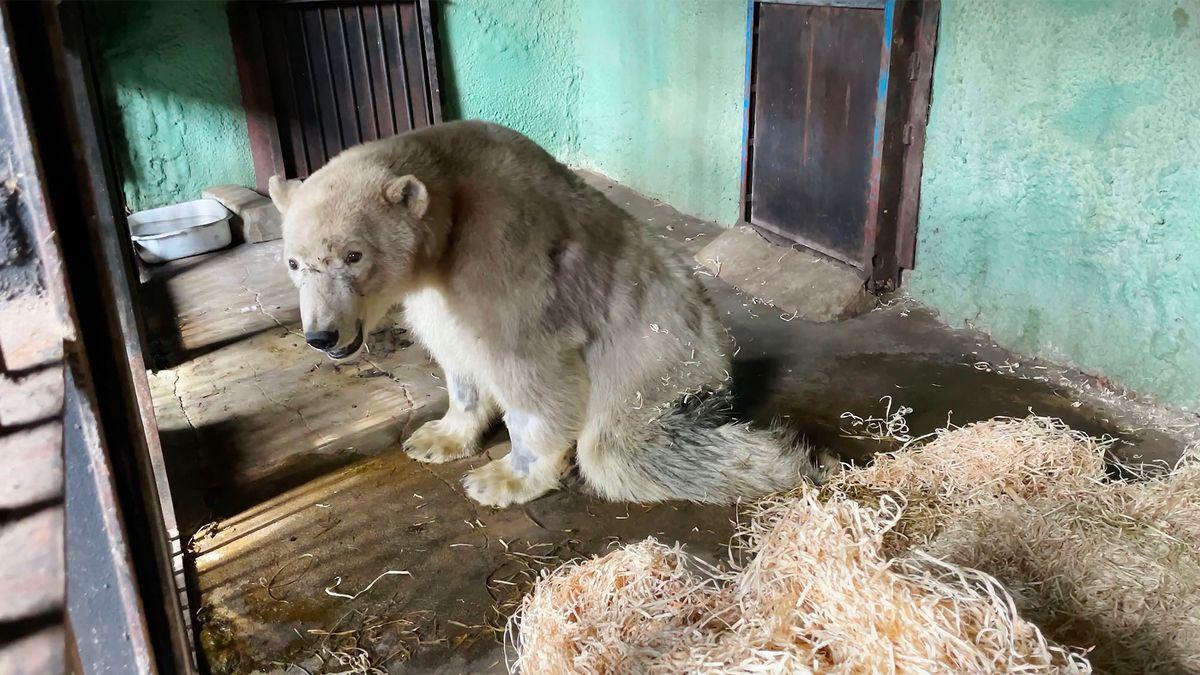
172, 100
1061, 192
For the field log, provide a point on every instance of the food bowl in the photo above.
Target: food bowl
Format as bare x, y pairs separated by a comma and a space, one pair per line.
180, 230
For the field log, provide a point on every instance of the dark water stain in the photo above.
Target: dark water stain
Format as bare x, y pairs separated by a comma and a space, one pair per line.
938, 388
223, 649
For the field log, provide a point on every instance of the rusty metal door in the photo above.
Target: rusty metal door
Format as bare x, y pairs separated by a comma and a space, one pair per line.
319, 77
830, 114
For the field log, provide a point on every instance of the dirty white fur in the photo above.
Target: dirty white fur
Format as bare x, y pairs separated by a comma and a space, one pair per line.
541, 300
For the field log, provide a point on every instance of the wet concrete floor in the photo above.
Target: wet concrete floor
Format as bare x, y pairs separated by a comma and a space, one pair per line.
319, 546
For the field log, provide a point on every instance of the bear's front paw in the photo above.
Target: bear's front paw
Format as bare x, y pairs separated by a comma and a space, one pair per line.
431, 443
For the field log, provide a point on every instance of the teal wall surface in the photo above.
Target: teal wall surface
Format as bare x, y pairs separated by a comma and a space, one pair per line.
1060, 202
661, 101
514, 63
648, 92
171, 95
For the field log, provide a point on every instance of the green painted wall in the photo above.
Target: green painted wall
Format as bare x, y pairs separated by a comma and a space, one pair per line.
514, 63
661, 101
648, 92
171, 94
1061, 193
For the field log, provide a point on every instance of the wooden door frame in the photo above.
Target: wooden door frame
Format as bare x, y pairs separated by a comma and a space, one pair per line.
910, 38
120, 516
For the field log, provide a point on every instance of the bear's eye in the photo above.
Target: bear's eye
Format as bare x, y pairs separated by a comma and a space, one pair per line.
292, 264
353, 257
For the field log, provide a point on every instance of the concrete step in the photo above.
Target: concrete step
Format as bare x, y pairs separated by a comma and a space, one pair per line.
255, 217
799, 282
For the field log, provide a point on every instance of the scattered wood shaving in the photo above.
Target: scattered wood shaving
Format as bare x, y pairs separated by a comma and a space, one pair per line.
338, 581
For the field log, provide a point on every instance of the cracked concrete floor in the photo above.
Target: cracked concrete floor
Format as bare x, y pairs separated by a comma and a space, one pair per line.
321, 547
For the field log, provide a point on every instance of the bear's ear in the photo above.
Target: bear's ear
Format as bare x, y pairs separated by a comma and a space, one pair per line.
281, 191
408, 192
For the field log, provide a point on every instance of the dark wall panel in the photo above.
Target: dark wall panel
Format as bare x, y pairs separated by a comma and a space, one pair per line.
816, 81
342, 73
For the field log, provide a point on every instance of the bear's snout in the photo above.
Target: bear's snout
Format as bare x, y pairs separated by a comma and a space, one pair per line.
321, 339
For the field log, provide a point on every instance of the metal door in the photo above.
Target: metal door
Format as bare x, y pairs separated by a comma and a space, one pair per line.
836, 95
319, 77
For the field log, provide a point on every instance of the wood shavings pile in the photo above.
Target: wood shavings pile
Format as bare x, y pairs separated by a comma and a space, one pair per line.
1108, 565
982, 550
975, 465
617, 613
816, 596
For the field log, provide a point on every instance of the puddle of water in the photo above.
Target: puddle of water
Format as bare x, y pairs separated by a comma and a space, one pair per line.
936, 388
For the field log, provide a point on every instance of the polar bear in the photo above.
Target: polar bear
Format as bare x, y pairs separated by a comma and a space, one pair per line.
543, 302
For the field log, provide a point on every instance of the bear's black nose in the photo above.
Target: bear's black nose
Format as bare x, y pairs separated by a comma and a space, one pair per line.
322, 339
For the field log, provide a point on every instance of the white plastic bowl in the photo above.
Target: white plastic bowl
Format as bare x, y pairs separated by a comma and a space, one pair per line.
180, 230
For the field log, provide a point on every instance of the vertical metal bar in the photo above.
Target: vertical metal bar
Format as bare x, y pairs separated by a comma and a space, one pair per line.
102, 590
333, 103
414, 62
117, 272
881, 101
369, 73
433, 89
322, 142
377, 61
747, 111
387, 68
322, 80
281, 71
399, 65
343, 82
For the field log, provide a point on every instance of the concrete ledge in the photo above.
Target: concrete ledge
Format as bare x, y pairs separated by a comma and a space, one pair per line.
255, 217
795, 280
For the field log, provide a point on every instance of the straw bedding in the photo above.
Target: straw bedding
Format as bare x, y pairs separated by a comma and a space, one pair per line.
1110, 565
997, 547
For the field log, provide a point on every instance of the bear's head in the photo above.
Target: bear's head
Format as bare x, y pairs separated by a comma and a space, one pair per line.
351, 237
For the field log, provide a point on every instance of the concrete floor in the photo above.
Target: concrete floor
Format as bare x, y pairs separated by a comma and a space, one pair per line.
288, 467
